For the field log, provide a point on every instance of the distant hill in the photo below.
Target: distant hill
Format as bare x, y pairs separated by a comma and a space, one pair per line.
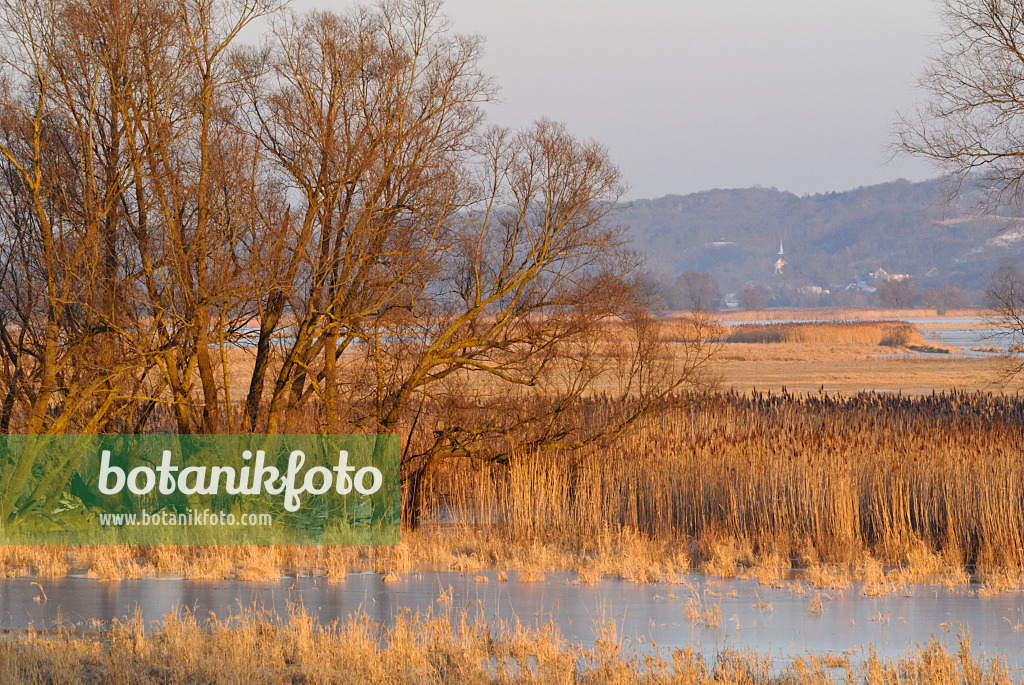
830, 240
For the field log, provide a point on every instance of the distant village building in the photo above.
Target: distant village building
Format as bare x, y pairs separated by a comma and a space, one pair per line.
781, 262
881, 274
813, 290
860, 286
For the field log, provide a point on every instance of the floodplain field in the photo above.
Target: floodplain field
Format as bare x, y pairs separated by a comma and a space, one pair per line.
863, 350
789, 474
855, 367
787, 464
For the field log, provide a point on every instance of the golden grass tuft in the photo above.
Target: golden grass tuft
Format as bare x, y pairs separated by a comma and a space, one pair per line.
903, 335
111, 562
531, 576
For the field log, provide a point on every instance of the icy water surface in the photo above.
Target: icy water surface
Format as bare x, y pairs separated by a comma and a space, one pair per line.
773, 620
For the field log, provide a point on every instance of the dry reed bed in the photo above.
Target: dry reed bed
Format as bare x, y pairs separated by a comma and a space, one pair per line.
888, 333
935, 483
255, 647
726, 484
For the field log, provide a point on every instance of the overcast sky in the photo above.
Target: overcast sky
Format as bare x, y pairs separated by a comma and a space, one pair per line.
690, 95
696, 94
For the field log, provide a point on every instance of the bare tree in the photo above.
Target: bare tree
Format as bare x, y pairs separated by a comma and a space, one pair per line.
1005, 293
695, 291
369, 117
536, 307
897, 293
944, 298
969, 125
67, 334
971, 122
317, 233
753, 298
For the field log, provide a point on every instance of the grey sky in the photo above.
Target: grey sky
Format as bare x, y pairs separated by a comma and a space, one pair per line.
690, 95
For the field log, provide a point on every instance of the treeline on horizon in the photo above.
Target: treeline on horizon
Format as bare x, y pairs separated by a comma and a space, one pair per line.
830, 240
698, 291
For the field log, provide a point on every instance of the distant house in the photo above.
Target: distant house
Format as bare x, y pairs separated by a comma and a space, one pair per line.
860, 287
881, 274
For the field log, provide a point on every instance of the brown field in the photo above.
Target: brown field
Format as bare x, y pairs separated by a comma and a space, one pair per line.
852, 368
458, 648
839, 357
851, 357
884, 489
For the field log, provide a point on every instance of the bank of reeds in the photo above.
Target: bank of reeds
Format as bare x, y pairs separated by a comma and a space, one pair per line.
935, 482
889, 333
923, 487
256, 647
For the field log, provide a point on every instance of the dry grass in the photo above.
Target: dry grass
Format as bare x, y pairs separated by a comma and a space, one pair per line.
927, 485
727, 484
888, 333
256, 647
851, 368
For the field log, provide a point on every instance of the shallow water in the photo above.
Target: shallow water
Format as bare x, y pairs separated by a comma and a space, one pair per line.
969, 337
965, 322
780, 624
